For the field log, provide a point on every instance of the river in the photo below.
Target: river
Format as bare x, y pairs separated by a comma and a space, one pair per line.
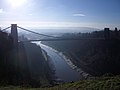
63, 70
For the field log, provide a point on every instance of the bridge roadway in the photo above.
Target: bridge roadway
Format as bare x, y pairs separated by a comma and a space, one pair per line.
63, 39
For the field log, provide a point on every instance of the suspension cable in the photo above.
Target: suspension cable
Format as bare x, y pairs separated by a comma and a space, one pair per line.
6, 28
36, 32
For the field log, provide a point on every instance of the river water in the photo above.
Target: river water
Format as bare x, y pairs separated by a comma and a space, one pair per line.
63, 71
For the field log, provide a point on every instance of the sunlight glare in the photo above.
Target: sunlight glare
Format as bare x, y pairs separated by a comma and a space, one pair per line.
17, 3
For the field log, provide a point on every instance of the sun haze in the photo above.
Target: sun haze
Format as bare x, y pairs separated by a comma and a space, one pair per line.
17, 3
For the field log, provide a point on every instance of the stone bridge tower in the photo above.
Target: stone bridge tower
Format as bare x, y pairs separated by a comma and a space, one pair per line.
14, 34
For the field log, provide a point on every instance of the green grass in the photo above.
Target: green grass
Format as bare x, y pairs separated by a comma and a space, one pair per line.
98, 83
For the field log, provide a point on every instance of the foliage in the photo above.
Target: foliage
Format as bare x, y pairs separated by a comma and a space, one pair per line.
94, 56
6, 45
24, 65
98, 83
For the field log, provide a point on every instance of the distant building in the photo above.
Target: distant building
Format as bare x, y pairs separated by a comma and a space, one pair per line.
22, 38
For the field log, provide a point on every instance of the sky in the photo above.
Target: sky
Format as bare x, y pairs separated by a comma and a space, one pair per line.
60, 13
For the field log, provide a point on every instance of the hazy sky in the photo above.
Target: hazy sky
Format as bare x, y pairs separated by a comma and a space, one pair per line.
61, 13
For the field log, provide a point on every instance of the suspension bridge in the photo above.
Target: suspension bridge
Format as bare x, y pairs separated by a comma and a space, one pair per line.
14, 34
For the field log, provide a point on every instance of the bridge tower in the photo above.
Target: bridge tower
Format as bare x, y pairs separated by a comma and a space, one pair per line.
106, 33
14, 34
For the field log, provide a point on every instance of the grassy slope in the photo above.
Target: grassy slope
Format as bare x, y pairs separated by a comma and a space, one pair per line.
101, 83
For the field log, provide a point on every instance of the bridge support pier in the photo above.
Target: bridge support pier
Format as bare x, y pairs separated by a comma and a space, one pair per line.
14, 34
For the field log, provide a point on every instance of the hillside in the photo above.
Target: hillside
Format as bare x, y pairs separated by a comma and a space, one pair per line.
96, 57
22, 66
6, 45
38, 66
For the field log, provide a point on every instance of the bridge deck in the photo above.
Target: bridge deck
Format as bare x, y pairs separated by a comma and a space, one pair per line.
67, 39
